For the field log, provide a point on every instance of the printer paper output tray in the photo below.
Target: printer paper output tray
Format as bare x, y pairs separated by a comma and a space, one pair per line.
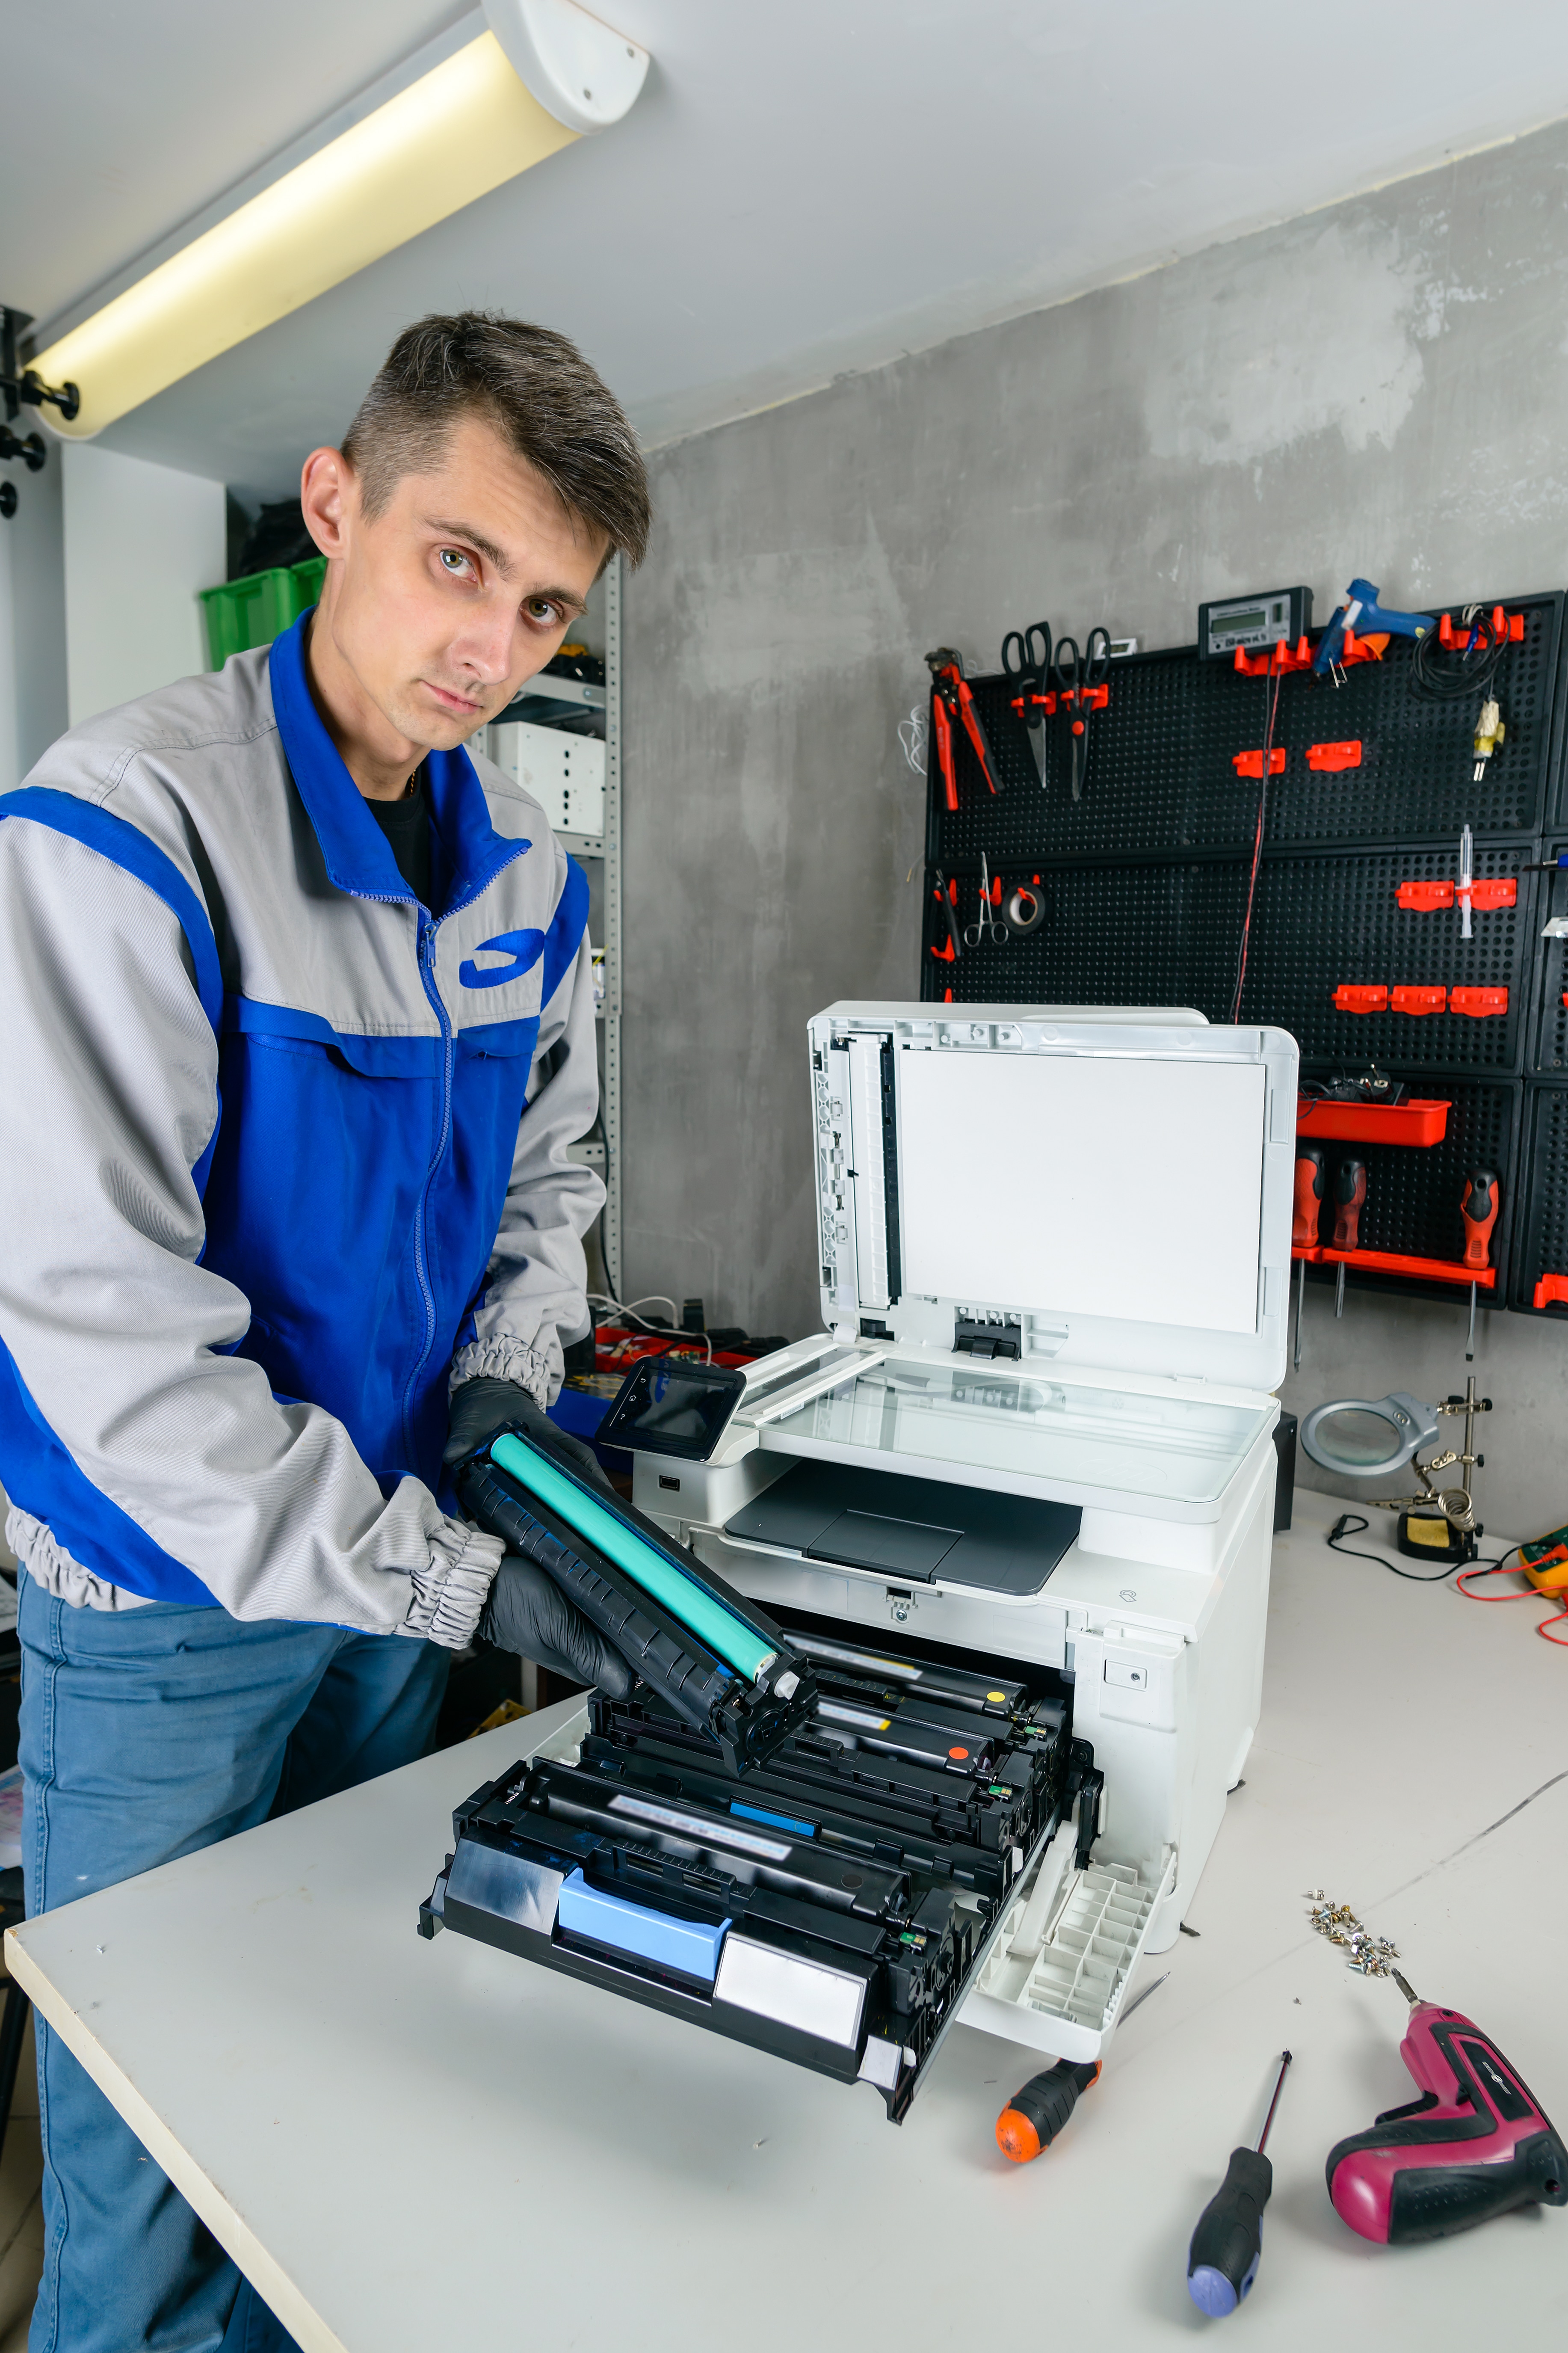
839, 1904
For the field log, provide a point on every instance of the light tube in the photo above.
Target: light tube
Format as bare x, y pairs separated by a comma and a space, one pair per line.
452, 136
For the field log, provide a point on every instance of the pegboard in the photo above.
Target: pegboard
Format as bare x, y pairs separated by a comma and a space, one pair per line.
1412, 1192
1542, 1236
1160, 778
1549, 1054
1168, 933
1144, 886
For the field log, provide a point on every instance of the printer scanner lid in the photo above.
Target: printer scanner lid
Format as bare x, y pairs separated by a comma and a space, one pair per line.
1104, 1189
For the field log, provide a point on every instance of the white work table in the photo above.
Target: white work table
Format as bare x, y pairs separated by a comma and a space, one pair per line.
411, 2145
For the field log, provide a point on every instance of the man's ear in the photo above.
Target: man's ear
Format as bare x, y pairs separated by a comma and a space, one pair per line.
329, 497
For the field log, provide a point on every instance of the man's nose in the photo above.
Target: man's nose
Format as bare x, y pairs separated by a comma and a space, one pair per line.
485, 643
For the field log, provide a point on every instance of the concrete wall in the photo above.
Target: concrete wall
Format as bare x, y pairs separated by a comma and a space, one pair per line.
140, 541
1379, 388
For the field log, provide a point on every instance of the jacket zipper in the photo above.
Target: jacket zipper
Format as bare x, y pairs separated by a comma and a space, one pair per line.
429, 927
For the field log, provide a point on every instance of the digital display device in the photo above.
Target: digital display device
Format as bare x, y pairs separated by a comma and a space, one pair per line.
666, 1408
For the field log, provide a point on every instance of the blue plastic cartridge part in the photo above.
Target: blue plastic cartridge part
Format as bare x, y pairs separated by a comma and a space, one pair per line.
692, 1946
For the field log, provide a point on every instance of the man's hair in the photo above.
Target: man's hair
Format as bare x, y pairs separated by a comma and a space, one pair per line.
539, 392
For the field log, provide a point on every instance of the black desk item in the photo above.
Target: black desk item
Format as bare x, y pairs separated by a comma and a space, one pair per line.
915, 1530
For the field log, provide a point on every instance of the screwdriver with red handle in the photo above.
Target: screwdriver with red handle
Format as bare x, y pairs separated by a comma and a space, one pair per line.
1476, 2142
1478, 1206
1349, 1195
1304, 1226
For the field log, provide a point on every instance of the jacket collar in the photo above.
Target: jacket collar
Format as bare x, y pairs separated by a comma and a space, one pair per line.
357, 853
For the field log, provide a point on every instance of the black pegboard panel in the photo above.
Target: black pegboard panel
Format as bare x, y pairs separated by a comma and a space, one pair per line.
1161, 778
1111, 935
1548, 1053
1541, 1247
1413, 1193
1322, 920
1169, 934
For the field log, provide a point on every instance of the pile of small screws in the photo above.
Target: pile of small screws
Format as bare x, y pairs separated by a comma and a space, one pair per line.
1369, 1956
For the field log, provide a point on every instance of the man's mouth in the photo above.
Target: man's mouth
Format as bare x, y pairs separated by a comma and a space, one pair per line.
454, 702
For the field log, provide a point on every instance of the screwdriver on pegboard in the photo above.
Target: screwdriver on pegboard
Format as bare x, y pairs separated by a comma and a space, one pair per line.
1349, 1195
1478, 1206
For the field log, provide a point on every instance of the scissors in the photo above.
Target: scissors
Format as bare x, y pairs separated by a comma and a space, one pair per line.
986, 926
1026, 658
1080, 686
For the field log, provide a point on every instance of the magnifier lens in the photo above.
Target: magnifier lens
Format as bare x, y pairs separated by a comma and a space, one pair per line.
1357, 1436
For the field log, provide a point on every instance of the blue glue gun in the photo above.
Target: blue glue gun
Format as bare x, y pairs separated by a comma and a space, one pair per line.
1367, 617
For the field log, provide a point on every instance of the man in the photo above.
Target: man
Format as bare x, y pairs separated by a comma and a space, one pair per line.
297, 1020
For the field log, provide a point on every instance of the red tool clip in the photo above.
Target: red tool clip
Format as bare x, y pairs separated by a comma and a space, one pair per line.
1250, 763
1082, 698
1279, 661
1550, 1289
1507, 629
1362, 997
1332, 757
1411, 996
1498, 891
1478, 1002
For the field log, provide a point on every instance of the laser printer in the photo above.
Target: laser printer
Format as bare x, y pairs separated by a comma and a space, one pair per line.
1055, 1260
948, 1729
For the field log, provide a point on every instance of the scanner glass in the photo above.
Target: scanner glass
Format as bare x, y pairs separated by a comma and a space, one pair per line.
1118, 1438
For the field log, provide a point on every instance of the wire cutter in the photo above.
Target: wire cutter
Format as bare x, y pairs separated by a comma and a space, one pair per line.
986, 925
1080, 684
1026, 658
951, 700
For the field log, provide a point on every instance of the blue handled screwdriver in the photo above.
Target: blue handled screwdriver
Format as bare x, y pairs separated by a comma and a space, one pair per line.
1228, 2245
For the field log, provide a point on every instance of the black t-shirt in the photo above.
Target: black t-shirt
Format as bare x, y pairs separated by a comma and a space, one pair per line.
406, 824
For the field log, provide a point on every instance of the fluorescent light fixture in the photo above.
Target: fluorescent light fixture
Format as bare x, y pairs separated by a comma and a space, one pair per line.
547, 74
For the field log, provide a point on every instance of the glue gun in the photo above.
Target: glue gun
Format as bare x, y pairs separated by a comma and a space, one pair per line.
1365, 612
1474, 2145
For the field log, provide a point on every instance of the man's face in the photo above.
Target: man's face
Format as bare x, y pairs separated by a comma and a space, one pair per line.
437, 609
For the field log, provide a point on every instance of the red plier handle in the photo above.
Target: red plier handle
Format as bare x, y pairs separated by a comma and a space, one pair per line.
951, 689
942, 736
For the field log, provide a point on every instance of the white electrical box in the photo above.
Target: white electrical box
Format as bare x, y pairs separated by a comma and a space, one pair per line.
564, 773
1054, 1255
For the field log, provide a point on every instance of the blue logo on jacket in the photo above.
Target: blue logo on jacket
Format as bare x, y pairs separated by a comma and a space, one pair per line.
523, 948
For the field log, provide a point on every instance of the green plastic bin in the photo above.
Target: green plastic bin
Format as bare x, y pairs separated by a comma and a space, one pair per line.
253, 611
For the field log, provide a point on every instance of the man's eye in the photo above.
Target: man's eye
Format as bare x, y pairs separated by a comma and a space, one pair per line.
541, 609
453, 559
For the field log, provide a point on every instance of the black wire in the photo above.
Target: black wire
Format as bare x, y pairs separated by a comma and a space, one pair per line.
1467, 670
1342, 1527
1271, 701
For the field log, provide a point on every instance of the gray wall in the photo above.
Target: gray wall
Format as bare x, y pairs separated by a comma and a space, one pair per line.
1379, 388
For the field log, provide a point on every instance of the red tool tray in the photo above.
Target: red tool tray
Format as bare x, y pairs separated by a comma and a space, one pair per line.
1427, 1270
1416, 1122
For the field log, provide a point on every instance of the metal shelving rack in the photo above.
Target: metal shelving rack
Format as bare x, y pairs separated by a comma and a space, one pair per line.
604, 848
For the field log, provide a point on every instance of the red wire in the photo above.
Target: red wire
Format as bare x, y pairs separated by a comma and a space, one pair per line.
1531, 1593
1273, 702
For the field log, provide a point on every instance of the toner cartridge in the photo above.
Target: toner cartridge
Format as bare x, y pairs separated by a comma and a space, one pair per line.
833, 1905
714, 1659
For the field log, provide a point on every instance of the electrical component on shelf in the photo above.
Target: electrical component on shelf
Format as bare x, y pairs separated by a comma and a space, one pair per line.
1239, 624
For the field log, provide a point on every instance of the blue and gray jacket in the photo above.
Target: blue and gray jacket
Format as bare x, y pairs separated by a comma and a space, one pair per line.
283, 1154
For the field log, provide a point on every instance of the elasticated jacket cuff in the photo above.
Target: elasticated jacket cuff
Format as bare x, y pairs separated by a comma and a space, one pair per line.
452, 1590
507, 1360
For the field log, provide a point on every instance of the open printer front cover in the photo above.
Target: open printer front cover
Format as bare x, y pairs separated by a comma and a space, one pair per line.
1104, 1189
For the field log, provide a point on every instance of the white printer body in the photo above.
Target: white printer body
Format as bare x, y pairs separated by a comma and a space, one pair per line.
1054, 1248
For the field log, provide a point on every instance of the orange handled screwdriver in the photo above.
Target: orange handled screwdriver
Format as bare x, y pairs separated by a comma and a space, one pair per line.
1305, 1225
1033, 2117
1478, 1205
1350, 1193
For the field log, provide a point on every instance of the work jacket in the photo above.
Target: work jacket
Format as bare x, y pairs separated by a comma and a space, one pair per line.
282, 1153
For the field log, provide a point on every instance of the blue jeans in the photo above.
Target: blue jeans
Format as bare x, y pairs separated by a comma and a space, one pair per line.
146, 1734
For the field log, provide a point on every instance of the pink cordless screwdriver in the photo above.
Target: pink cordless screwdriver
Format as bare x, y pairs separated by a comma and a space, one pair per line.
1475, 2144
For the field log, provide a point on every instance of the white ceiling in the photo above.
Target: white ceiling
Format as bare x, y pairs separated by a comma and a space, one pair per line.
800, 189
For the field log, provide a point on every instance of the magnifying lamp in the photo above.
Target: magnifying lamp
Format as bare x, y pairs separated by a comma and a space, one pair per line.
1369, 1437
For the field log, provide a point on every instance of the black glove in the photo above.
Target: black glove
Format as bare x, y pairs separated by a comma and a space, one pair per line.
481, 1407
528, 1612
